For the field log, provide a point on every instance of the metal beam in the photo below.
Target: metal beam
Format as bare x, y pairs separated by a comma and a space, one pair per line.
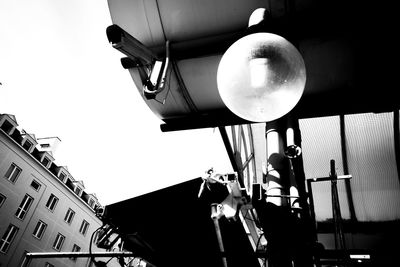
228, 148
37, 255
211, 119
346, 168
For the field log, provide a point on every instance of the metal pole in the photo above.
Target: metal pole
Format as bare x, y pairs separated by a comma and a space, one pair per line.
285, 226
218, 232
220, 243
275, 212
336, 214
277, 164
37, 255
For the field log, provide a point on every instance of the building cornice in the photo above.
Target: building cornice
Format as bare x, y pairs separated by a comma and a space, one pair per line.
44, 168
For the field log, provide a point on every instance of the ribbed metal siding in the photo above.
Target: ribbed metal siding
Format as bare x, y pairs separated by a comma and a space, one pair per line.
320, 144
371, 158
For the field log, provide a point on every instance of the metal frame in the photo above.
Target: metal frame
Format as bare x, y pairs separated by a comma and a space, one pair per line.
40, 255
240, 148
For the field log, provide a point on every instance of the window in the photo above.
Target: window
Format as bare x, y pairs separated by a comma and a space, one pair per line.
24, 207
62, 176
45, 161
27, 145
78, 190
7, 126
39, 229
35, 185
2, 199
24, 260
8, 237
58, 242
52, 202
96, 235
84, 227
69, 216
91, 203
13, 172
75, 248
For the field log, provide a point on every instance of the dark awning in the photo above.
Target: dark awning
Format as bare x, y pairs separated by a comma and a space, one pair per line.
172, 227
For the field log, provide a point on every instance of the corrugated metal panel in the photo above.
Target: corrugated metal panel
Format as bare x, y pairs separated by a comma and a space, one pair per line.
321, 143
371, 158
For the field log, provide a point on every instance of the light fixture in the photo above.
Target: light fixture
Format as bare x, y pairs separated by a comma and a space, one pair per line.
261, 77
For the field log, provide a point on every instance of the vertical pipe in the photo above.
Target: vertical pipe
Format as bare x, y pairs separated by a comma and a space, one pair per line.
346, 169
277, 164
337, 216
307, 228
312, 209
220, 243
292, 152
288, 236
274, 213
218, 233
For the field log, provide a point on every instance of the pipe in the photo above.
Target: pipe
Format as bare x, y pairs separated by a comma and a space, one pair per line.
39, 255
219, 236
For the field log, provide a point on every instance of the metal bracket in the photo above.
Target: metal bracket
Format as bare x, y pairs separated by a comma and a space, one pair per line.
155, 82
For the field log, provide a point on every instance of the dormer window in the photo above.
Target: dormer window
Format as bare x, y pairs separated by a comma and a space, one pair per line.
46, 162
7, 126
62, 176
8, 123
28, 142
91, 203
46, 159
27, 145
78, 190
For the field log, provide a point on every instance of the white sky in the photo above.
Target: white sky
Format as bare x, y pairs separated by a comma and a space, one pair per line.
60, 77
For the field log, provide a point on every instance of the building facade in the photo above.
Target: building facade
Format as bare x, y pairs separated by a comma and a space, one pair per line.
42, 207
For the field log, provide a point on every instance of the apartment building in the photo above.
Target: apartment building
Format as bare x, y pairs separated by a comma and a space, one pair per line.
42, 207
